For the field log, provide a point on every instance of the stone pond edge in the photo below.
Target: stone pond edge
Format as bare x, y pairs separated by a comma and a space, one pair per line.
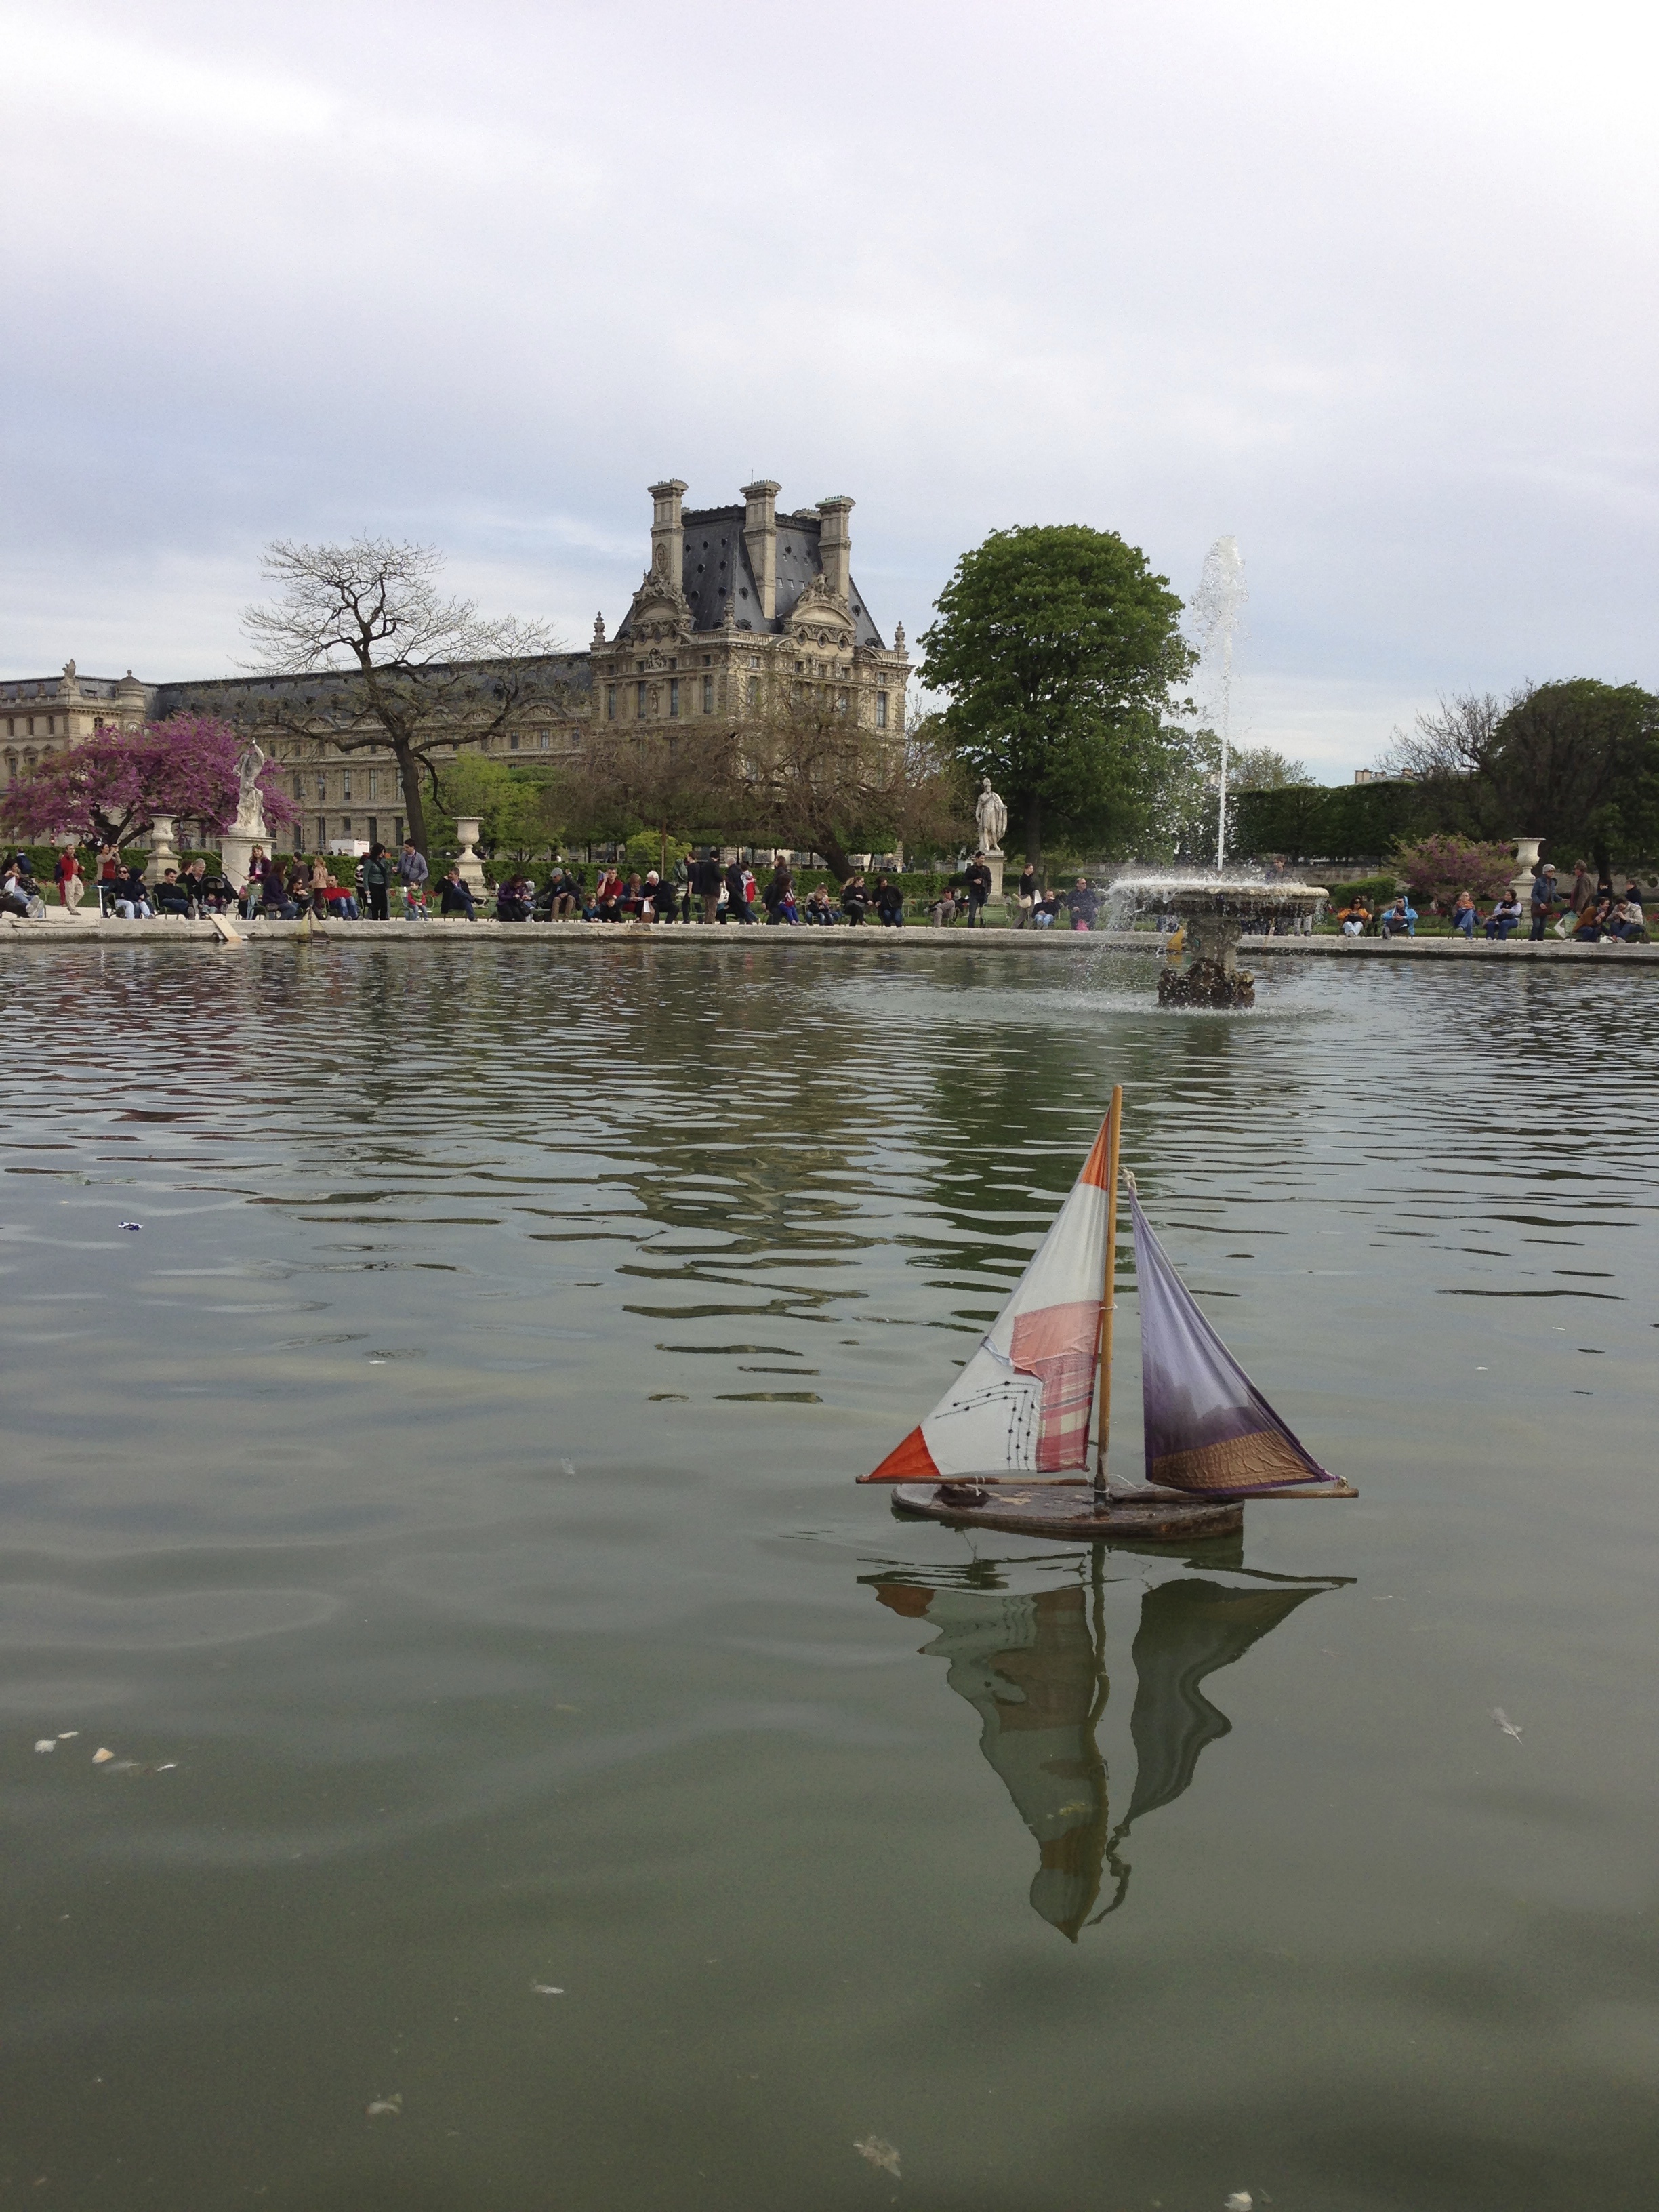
847, 943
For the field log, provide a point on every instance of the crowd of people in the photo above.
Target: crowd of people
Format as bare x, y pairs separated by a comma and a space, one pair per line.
1586, 911
704, 889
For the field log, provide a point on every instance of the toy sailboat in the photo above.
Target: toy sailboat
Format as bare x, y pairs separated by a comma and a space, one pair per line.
1007, 1446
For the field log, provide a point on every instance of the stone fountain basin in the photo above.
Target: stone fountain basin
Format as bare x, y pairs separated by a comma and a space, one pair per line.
1241, 902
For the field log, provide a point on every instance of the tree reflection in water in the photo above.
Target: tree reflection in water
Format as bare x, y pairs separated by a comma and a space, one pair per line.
1033, 1667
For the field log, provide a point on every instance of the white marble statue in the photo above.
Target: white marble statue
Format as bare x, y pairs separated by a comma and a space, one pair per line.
990, 817
250, 806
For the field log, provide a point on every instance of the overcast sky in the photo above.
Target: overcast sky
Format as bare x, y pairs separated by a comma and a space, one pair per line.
1371, 287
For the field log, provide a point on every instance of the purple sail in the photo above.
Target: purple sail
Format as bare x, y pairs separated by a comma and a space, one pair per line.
1208, 1428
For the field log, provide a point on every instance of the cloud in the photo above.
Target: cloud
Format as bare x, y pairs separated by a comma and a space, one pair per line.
1369, 287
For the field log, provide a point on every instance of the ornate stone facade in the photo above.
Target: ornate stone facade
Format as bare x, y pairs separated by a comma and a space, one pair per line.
741, 611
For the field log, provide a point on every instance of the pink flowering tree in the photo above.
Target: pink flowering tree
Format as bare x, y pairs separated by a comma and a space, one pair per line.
1439, 867
110, 788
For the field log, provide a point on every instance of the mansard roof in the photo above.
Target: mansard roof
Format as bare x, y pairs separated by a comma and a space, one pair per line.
50, 689
329, 688
717, 566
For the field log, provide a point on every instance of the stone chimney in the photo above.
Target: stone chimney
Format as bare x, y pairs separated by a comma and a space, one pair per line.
760, 536
836, 544
668, 532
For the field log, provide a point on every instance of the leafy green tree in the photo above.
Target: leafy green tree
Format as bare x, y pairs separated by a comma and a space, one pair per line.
1057, 648
1575, 763
511, 804
1259, 768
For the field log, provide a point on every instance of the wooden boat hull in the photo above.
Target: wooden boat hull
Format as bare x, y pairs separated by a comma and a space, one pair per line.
1069, 1511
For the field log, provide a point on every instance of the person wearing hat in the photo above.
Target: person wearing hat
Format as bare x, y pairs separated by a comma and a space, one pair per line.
1543, 900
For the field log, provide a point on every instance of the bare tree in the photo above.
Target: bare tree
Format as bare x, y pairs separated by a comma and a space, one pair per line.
809, 777
1459, 739
814, 778
425, 672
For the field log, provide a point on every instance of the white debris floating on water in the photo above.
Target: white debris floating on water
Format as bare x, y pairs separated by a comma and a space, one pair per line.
1239, 2201
879, 2152
545, 1990
1505, 1722
99, 1757
46, 1743
386, 2108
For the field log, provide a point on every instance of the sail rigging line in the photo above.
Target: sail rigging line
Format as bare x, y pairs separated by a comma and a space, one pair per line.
1107, 1291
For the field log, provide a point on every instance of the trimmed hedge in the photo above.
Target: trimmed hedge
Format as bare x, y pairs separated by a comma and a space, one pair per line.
1376, 890
1340, 822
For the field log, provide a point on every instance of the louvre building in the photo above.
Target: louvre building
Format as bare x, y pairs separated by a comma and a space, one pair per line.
740, 607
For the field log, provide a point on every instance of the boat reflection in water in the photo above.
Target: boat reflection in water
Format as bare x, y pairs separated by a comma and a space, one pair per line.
1033, 1667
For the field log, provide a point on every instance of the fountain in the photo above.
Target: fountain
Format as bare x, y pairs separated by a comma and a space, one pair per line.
1218, 610
1214, 913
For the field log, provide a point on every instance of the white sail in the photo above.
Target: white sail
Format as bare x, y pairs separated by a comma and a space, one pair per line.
1021, 1405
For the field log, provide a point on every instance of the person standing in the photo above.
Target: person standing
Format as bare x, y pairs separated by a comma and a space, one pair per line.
71, 887
1543, 901
979, 890
738, 884
377, 883
109, 871
706, 885
1027, 894
412, 871
1581, 891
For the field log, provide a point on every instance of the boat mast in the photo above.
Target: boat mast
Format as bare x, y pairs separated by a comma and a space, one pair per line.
1107, 1291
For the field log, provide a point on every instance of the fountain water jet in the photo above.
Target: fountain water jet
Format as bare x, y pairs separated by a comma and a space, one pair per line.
1219, 607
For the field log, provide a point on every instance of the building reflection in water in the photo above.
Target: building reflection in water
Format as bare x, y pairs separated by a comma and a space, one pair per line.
1033, 1667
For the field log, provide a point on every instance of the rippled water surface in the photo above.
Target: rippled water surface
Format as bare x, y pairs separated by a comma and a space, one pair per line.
441, 1509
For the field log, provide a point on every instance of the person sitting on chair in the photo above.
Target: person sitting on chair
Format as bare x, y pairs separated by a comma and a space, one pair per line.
171, 896
454, 898
1506, 915
132, 896
1401, 919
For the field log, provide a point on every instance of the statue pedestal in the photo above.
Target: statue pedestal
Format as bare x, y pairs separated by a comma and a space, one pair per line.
235, 851
236, 846
162, 852
471, 867
993, 861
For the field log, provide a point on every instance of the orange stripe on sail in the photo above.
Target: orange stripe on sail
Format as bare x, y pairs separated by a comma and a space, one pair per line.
910, 1461
1097, 1167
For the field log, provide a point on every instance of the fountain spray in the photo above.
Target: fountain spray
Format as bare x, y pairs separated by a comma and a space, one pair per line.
1219, 608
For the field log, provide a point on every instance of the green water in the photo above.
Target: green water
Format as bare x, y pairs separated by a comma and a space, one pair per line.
452, 1479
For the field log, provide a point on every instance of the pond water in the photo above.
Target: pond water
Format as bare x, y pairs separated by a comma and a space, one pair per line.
441, 1508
